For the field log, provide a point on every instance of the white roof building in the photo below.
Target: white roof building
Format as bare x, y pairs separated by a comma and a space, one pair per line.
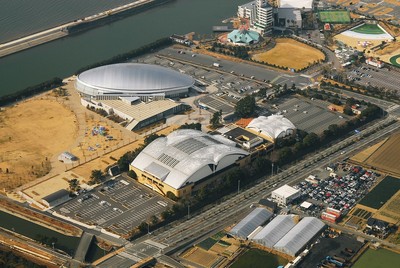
187, 156
285, 194
306, 4
272, 127
275, 230
299, 236
246, 226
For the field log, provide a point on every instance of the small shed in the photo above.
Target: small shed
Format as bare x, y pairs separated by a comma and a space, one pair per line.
67, 157
114, 171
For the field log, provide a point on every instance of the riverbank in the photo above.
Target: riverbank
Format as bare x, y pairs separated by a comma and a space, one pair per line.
39, 219
76, 26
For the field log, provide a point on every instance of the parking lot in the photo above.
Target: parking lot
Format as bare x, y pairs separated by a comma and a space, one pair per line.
343, 246
340, 192
308, 115
119, 205
369, 75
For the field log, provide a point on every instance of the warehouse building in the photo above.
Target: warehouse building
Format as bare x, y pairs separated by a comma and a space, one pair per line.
299, 236
186, 161
56, 198
250, 223
285, 194
275, 230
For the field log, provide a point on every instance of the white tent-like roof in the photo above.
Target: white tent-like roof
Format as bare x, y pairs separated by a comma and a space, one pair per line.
274, 126
246, 226
186, 156
307, 4
299, 236
275, 230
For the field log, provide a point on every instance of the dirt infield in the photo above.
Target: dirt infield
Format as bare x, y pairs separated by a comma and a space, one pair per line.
291, 54
31, 132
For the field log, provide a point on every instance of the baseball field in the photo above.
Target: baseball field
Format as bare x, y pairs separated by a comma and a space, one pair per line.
290, 53
368, 29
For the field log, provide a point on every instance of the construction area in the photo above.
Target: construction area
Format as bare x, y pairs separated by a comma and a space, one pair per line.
289, 53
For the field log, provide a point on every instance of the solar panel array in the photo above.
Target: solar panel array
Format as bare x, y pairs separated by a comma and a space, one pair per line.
168, 160
190, 145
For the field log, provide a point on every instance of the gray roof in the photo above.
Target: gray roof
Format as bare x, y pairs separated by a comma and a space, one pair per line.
275, 230
56, 195
246, 226
299, 236
187, 156
135, 77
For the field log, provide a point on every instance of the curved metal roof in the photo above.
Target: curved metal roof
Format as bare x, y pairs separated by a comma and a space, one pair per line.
177, 158
135, 77
273, 126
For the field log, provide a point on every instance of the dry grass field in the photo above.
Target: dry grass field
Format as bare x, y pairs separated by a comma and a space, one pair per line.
383, 156
391, 210
31, 132
200, 257
290, 53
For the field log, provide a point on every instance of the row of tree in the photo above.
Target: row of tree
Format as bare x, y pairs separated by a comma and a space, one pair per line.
30, 91
163, 42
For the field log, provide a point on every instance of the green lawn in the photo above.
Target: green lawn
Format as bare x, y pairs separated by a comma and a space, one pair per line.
377, 259
381, 193
394, 60
334, 16
368, 29
256, 258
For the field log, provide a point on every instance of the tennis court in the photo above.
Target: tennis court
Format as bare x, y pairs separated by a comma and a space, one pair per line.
334, 16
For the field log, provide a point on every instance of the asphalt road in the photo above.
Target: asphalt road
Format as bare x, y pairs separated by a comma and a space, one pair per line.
230, 211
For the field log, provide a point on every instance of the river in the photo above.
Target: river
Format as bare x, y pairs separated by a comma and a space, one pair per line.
64, 56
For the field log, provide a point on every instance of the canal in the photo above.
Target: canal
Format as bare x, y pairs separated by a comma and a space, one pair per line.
63, 57
26, 228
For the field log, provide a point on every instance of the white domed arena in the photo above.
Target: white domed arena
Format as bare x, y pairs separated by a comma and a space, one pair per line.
132, 79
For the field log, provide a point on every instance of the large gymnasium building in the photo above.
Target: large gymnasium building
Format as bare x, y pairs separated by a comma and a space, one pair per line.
185, 161
138, 93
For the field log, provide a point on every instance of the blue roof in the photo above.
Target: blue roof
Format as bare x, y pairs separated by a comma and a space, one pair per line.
243, 36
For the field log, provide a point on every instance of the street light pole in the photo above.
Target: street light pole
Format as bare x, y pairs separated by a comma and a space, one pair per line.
272, 171
238, 186
148, 228
188, 216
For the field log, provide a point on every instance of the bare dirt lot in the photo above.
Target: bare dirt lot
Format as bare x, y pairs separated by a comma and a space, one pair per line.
290, 53
31, 132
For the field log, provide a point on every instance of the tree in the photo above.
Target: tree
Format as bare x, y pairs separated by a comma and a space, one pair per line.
132, 174
347, 110
215, 120
97, 176
285, 155
245, 107
151, 138
172, 196
311, 140
73, 185
143, 227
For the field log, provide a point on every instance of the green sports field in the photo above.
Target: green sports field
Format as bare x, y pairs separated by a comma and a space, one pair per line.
368, 29
377, 259
334, 16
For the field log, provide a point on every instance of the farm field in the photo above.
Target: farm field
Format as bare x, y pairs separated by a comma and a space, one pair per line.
385, 158
290, 53
381, 193
377, 259
334, 16
257, 258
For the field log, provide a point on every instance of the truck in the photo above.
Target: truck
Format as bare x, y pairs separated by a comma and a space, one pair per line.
336, 262
216, 64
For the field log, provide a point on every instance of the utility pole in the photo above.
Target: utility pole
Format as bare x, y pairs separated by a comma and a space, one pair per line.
238, 186
188, 216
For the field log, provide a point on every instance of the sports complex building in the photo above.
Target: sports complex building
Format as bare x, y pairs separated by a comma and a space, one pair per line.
137, 93
132, 80
185, 161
